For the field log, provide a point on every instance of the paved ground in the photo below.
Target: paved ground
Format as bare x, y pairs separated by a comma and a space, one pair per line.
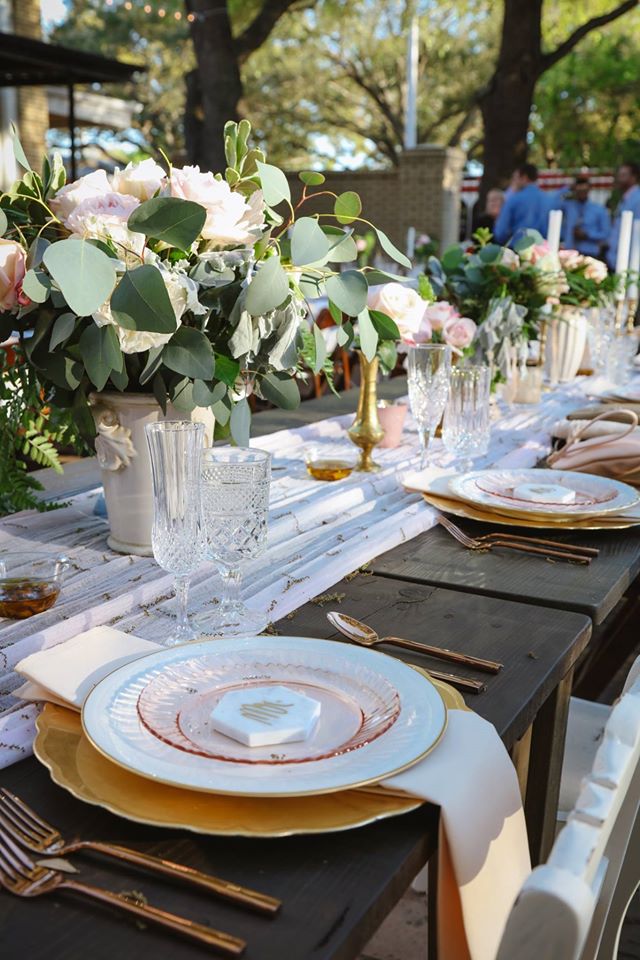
403, 935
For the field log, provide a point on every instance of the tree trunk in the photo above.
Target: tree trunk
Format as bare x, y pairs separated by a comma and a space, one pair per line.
215, 97
506, 104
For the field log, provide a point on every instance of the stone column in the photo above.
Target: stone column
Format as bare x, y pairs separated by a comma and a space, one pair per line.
429, 178
33, 107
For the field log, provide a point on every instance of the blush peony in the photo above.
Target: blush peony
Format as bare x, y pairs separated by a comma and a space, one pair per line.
12, 270
459, 333
95, 184
142, 180
232, 220
105, 218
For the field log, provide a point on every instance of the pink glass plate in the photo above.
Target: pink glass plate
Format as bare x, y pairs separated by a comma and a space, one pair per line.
505, 489
176, 705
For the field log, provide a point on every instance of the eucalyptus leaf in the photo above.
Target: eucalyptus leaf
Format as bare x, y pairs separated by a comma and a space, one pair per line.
321, 349
36, 285
345, 335
100, 353
347, 207
348, 290
4, 223
222, 412
308, 243
241, 423
141, 302
280, 389
311, 178
390, 249
227, 370
159, 389
153, 364
206, 394
183, 397
388, 354
190, 353
62, 370
85, 275
335, 312
63, 327
18, 150
275, 185
386, 327
375, 277
36, 252
170, 219
368, 335
120, 379
343, 250
452, 258
311, 286
269, 288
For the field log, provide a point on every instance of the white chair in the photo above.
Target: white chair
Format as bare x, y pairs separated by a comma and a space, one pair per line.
572, 907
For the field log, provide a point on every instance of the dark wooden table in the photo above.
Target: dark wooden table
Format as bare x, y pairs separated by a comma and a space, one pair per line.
533, 616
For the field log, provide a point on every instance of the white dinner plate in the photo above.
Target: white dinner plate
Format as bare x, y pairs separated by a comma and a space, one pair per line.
606, 390
495, 489
148, 716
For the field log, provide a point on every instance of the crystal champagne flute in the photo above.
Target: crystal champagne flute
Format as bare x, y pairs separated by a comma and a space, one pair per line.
177, 538
428, 380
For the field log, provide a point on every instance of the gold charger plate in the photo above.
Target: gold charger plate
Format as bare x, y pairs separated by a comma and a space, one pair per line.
460, 508
78, 767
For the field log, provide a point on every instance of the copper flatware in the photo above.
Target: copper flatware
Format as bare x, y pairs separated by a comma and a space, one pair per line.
21, 876
366, 636
538, 541
474, 543
27, 828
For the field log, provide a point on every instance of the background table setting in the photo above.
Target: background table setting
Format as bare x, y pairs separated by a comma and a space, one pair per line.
448, 738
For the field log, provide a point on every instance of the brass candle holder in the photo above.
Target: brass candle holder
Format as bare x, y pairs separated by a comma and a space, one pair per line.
632, 309
366, 431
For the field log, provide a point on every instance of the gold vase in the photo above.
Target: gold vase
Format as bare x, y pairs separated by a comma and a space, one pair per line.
366, 430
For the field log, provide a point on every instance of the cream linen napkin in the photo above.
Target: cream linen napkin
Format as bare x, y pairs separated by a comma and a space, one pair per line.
484, 853
66, 674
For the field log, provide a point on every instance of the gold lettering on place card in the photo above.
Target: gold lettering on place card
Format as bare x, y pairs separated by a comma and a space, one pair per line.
265, 711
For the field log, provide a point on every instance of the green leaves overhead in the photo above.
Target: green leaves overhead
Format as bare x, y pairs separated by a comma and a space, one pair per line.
347, 207
268, 288
368, 335
141, 302
189, 353
281, 389
100, 352
308, 242
275, 185
85, 275
170, 219
311, 178
392, 251
348, 291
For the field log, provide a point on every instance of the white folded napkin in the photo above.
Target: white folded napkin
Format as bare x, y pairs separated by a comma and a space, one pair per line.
483, 848
67, 673
484, 855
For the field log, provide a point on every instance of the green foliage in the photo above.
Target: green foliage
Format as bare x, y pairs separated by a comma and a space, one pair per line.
141, 302
84, 274
30, 432
170, 219
308, 359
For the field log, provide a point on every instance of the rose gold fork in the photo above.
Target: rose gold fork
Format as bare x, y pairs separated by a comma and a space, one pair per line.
474, 543
20, 876
25, 826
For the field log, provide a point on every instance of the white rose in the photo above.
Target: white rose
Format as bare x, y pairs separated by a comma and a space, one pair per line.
231, 220
68, 197
105, 218
400, 302
141, 180
595, 270
509, 258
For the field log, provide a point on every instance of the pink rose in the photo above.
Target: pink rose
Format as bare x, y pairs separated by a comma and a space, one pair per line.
440, 313
67, 199
459, 333
13, 266
423, 334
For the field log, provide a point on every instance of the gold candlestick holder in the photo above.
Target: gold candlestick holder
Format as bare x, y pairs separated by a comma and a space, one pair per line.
366, 431
620, 316
632, 308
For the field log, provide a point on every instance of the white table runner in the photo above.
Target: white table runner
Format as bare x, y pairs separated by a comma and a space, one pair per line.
319, 532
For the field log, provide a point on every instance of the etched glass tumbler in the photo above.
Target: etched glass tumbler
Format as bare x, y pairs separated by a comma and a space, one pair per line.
466, 427
428, 379
234, 483
177, 535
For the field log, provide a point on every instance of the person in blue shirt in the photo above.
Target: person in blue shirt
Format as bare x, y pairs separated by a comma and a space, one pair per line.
586, 225
627, 179
526, 208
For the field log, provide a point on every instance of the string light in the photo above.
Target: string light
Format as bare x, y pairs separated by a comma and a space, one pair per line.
162, 12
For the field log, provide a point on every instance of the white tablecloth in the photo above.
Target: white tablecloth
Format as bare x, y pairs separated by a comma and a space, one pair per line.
319, 532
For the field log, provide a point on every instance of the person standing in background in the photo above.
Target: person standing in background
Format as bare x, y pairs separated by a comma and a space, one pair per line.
586, 225
627, 179
493, 205
526, 208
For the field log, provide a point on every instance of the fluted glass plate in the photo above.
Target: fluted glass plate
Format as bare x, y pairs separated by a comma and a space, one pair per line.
495, 489
379, 716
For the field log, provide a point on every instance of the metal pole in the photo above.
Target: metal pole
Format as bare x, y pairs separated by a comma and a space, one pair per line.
411, 109
72, 132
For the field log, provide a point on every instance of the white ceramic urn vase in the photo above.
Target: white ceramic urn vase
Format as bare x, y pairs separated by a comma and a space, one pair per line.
123, 455
566, 340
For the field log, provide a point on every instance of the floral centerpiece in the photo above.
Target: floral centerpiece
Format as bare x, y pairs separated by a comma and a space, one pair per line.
180, 285
588, 281
422, 319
